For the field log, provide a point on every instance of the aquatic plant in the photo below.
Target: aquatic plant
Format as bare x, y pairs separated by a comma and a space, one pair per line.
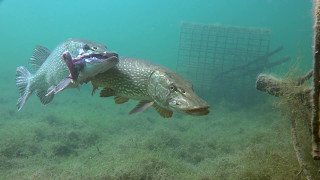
295, 104
62, 150
300, 104
52, 119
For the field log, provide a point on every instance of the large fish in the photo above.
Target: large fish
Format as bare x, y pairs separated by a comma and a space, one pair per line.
71, 63
151, 84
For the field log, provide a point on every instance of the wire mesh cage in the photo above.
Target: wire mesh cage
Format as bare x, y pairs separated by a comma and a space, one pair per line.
222, 60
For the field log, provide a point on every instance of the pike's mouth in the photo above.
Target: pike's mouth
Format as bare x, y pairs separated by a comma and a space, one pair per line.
198, 111
95, 56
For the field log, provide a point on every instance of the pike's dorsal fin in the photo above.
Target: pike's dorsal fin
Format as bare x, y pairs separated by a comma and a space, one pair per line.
43, 98
143, 105
39, 55
165, 113
120, 99
107, 92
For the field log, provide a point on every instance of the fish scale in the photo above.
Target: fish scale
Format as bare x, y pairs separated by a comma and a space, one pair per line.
127, 78
149, 83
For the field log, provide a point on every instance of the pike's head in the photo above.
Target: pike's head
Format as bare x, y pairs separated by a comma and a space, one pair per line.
172, 91
88, 59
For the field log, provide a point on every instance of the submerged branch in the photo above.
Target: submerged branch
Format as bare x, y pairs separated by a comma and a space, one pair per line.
309, 96
280, 87
302, 80
253, 67
271, 85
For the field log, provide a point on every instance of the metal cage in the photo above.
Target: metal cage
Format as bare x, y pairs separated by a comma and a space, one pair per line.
222, 60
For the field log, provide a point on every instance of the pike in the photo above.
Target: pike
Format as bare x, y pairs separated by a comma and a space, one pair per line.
151, 84
73, 62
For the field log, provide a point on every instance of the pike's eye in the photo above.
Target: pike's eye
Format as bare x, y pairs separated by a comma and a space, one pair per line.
183, 91
172, 88
94, 48
86, 47
175, 102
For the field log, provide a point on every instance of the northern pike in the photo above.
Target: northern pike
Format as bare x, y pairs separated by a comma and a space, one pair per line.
151, 84
73, 62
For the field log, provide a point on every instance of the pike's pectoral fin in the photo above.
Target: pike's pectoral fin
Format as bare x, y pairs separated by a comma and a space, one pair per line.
120, 99
40, 54
165, 113
42, 94
107, 92
143, 105
63, 84
50, 90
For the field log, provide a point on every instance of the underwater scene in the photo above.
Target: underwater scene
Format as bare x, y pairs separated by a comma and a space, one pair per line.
147, 89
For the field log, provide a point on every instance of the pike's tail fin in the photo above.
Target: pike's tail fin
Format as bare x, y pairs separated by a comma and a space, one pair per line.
23, 77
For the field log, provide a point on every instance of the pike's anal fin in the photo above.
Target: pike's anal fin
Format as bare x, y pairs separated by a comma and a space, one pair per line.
143, 105
44, 98
165, 113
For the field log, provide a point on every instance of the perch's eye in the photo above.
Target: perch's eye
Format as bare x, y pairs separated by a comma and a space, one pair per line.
183, 91
86, 47
172, 88
94, 48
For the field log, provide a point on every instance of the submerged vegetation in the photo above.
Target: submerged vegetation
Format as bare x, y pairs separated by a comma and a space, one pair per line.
295, 104
92, 138
252, 143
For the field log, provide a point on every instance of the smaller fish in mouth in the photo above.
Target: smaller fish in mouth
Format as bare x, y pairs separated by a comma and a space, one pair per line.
83, 68
87, 65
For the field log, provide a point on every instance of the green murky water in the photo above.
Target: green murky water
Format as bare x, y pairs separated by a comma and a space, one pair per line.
79, 136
